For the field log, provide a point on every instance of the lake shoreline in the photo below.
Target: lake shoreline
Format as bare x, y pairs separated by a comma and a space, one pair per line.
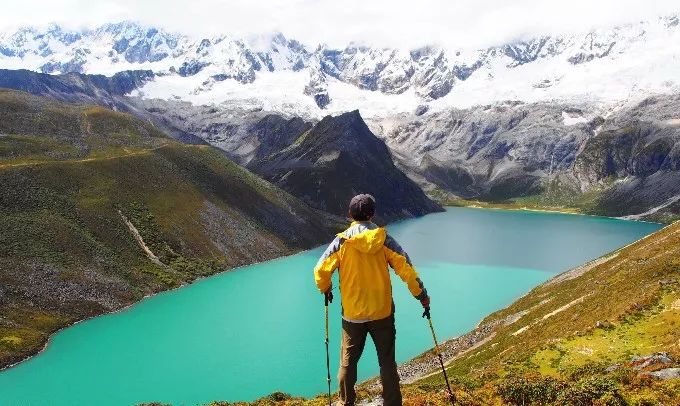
446, 205
454, 343
132, 304
476, 204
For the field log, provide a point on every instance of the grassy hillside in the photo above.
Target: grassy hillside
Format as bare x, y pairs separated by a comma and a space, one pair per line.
98, 209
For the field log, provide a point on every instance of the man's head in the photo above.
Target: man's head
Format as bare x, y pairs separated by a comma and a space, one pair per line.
362, 207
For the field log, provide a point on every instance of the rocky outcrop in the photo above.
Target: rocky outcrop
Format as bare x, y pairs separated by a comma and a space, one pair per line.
317, 88
666, 373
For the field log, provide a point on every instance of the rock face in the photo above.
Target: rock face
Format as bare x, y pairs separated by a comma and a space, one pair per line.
668, 373
630, 159
492, 152
243, 134
318, 88
337, 159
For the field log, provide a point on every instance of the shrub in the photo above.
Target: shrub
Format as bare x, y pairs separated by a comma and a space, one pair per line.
643, 399
529, 390
279, 397
590, 391
587, 370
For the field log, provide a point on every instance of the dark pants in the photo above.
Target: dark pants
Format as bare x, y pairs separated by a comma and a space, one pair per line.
383, 334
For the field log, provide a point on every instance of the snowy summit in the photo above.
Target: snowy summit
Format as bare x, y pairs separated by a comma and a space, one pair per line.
276, 73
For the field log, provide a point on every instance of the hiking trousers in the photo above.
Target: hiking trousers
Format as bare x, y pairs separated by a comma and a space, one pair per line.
383, 333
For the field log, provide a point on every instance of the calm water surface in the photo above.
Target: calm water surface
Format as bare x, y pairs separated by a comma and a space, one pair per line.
258, 329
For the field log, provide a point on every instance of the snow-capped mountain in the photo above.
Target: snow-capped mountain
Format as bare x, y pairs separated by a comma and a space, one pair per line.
281, 74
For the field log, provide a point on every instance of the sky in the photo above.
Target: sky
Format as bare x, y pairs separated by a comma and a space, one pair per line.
391, 23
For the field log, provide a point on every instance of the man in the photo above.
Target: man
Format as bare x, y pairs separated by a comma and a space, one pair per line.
362, 254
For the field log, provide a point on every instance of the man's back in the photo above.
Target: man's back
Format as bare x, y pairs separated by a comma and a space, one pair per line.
362, 254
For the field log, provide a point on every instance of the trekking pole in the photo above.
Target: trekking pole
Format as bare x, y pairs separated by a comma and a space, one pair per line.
328, 362
452, 397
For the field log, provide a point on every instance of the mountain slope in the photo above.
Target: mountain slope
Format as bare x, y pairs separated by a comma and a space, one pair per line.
338, 158
616, 162
75, 87
105, 91
99, 209
252, 137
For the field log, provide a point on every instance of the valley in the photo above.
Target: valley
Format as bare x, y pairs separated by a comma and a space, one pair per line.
139, 164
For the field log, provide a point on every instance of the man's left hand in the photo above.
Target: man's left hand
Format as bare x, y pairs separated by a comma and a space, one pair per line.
425, 302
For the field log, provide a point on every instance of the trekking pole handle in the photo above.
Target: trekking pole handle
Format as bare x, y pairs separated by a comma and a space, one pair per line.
426, 313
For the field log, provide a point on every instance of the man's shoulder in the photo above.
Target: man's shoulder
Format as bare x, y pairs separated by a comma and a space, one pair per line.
392, 244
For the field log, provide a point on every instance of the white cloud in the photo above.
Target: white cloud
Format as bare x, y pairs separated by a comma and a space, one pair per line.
453, 23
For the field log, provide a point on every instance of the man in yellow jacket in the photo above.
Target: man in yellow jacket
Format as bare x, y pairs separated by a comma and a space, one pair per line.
362, 254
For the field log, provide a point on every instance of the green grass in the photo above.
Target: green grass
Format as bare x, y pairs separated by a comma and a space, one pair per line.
37, 129
557, 196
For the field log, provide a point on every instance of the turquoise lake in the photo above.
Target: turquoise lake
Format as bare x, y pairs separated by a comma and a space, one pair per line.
258, 329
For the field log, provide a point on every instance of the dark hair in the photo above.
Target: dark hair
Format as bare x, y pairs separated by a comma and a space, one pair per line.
362, 207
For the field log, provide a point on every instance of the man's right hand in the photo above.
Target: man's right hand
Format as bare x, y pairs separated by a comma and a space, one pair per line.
328, 296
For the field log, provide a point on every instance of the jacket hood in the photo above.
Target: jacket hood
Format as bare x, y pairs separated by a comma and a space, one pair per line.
365, 237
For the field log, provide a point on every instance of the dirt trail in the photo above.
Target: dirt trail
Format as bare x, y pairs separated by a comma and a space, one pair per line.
140, 241
91, 159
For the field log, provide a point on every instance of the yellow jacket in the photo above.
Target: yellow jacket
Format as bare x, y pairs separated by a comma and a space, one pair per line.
362, 253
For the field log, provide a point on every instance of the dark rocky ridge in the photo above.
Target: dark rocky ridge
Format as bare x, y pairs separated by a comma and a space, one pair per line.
338, 158
76, 87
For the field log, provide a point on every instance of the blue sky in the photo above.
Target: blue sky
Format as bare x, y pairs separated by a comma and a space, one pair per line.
337, 22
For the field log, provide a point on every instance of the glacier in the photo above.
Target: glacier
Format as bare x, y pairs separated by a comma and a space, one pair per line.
607, 67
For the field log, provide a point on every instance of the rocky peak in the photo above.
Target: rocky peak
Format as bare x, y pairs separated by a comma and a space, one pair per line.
338, 158
317, 87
